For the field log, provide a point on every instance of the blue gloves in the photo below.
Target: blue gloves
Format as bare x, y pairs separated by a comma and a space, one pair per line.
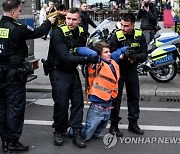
85, 51
116, 54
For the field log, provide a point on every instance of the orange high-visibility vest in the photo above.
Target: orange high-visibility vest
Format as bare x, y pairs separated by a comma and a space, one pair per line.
102, 82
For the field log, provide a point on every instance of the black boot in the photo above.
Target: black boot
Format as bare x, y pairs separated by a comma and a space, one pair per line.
115, 129
58, 140
17, 146
5, 146
78, 139
133, 127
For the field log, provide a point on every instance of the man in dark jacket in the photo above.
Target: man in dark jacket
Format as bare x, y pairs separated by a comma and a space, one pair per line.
134, 39
148, 15
85, 19
13, 73
64, 77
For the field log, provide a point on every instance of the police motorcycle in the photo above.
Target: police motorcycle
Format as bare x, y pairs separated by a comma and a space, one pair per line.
171, 38
161, 61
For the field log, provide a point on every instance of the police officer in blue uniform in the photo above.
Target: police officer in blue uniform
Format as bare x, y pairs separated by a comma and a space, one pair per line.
64, 77
137, 49
13, 73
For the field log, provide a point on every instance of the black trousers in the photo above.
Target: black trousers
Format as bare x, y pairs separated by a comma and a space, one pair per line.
66, 86
12, 108
129, 77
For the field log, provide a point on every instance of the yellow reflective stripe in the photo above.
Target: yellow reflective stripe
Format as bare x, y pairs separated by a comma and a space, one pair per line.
81, 30
137, 33
120, 35
159, 53
101, 88
158, 43
66, 31
134, 44
4, 33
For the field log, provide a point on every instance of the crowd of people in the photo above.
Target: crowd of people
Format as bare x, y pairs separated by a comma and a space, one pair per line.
109, 68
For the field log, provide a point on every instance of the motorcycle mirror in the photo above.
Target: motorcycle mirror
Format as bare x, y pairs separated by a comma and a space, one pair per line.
118, 25
157, 35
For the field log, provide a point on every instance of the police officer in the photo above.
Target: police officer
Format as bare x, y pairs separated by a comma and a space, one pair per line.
64, 77
13, 73
131, 37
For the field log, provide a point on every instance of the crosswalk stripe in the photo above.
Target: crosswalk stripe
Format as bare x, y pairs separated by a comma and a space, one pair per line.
50, 102
144, 127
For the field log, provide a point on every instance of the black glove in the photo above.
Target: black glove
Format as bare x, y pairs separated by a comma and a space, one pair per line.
91, 59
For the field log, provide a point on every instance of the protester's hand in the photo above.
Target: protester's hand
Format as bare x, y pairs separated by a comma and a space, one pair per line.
92, 59
52, 19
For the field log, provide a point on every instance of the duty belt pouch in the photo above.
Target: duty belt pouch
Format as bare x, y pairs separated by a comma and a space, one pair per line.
3, 73
47, 66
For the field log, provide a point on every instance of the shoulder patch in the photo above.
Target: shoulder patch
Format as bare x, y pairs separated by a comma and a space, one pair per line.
30, 28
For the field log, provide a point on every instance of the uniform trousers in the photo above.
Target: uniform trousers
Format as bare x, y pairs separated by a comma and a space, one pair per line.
12, 107
129, 77
66, 86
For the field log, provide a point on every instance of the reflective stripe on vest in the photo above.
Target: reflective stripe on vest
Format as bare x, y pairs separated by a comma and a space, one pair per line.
67, 32
121, 36
102, 81
4, 33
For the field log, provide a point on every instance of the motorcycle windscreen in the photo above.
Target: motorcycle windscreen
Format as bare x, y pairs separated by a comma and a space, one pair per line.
163, 55
167, 39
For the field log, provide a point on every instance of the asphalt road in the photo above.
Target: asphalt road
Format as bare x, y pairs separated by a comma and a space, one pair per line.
158, 118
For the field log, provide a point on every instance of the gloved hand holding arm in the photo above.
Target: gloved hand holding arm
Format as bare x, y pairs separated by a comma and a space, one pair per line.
117, 53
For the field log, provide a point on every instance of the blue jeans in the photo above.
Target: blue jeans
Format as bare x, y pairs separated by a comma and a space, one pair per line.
96, 120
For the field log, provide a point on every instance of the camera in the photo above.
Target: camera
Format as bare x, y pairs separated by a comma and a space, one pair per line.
146, 4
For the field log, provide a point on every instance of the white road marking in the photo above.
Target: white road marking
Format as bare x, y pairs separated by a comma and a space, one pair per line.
50, 102
144, 127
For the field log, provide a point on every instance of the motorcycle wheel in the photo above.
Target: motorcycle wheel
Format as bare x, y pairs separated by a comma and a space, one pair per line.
164, 74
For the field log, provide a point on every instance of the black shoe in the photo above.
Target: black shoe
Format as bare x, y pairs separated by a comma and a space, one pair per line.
115, 130
5, 146
135, 129
58, 140
78, 139
17, 146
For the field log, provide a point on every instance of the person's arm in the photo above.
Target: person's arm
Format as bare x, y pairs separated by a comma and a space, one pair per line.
26, 32
141, 11
85, 51
140, 14
91, 22
116, 54
153, 14
62, 51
